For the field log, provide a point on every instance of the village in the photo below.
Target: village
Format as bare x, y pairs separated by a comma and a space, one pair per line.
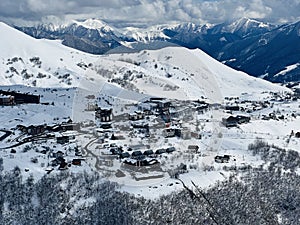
153, 139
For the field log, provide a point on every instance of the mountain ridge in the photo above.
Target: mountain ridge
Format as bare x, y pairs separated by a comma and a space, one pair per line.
174, 72
221, 41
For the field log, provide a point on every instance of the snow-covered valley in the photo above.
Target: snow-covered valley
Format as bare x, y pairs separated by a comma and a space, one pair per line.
154, 122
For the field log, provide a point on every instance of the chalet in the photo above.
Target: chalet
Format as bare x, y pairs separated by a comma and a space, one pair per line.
162, 107
170, 149
63, 165
161, 103
104, 114
124, 155
58, 159
62, 140
147, 107
160, 151
201, 106
33, 130
65, 127
76, 162
272, 116
115, 150
58, 154
232, 107
136, 153
169, 132
148, 152
140, 125
7, 100
243, 119
233, 121
193, 148
20, 98
137, 115
91, 106
222, 159
185, 133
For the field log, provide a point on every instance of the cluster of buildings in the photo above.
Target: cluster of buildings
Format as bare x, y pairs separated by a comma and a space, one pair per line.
151, 118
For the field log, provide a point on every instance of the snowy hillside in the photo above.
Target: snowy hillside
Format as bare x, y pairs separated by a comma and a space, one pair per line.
173, 72
177, 72
42, 63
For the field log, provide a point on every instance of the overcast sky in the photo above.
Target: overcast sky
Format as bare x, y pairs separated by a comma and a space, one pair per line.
149, 12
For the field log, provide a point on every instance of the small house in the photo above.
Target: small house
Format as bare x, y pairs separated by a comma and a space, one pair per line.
7, 99
137, 115
104, 114
232, 107
160, 151
170, 132
170, 149
21, 98
148, 152
115, 150
63, 165
193, 148
243, 119
76, 162
185, 133
231, 121
222, 159
136, 153
62, 140
35, 130
124, 155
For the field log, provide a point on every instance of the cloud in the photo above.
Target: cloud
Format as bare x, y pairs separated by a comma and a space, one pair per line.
149, 12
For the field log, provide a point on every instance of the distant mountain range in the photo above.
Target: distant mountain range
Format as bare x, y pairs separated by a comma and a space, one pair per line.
259, 49
174, 72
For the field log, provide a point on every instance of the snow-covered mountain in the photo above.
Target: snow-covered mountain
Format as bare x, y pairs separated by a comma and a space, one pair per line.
93, 36
174, 72
274, 55
247, 27
44, 63
241, 44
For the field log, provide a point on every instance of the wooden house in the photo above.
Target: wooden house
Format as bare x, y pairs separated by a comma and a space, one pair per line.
104, 114
137, 115
62, 140
222, 159
193, 148
7, 100
21, 98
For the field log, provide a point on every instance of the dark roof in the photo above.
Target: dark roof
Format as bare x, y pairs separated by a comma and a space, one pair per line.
170, 149
148, 152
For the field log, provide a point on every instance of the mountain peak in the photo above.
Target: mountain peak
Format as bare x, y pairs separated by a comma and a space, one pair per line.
94, 24
244, 26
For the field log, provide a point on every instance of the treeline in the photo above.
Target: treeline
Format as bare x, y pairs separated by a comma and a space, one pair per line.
261, 196
276, 156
